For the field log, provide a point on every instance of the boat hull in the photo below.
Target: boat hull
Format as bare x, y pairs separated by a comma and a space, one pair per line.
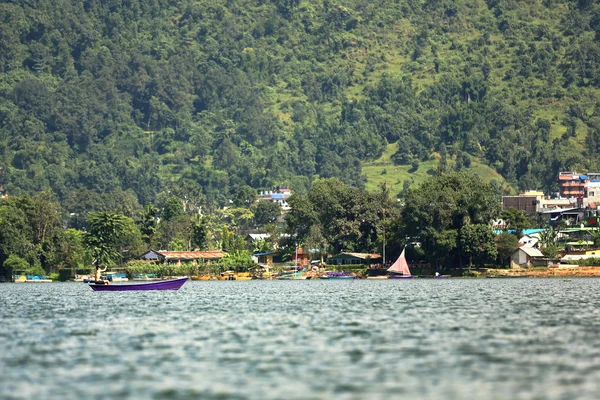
173, 284
400, 277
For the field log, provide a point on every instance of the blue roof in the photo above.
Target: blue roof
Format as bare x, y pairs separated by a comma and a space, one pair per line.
525, 231
263, 254
532, 231
583, 177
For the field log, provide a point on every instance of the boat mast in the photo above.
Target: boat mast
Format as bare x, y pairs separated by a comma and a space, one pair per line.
383, 214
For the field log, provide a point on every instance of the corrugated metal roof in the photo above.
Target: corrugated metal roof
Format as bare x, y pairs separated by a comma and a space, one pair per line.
192, 255
361, 255
258, 236
263, 254
531, 252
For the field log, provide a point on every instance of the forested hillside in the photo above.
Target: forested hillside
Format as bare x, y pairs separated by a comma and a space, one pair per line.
111, 103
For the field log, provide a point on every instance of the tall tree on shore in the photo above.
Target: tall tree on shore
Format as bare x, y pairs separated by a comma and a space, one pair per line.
106, 230
448, 214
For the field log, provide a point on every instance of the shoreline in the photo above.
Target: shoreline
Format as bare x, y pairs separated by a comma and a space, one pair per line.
571, 272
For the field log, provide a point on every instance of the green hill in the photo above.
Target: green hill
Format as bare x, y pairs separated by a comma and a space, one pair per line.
117, 104
383, 171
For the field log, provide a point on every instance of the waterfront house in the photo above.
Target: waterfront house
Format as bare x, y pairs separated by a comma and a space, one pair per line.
527, 257
301, 257
355, 258
265, 258
178, 257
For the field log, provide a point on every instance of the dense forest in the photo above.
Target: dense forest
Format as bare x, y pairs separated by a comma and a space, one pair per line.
116, 104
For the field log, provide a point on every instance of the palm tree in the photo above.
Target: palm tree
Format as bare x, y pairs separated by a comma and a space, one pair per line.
105, 231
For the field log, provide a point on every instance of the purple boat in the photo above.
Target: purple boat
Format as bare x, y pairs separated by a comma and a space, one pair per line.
173, 284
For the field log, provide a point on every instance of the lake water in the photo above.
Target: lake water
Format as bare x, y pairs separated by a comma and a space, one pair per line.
432, 339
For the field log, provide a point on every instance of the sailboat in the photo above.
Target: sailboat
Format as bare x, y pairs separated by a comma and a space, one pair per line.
399, 269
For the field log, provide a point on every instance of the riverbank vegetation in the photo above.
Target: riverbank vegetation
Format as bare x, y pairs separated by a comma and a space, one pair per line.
444, 223
449, 215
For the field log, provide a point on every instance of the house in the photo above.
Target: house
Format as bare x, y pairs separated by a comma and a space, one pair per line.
355, 258
301, 257
182, 256
528, 202
529, 240
527, 257
280, 196
265, 258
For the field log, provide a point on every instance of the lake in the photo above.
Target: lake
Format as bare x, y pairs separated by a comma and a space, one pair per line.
430, 339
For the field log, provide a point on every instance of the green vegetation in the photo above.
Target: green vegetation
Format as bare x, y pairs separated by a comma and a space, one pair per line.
116, 105
449, 215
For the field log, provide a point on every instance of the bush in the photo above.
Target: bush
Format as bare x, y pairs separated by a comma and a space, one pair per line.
160, 270
16, 263
467, 273
589, 262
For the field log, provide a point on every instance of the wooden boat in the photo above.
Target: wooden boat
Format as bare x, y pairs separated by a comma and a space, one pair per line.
291, 275
173, 284
337, 275
116, 277
399, 269
145, 277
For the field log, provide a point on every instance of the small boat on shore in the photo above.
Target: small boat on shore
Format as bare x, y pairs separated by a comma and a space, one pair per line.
337, 275
173, 284
32, 279
146, 277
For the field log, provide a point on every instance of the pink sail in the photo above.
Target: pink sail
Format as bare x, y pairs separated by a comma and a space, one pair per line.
400, 266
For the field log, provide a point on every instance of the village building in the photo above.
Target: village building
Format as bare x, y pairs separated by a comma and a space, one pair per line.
355, 258
163, 256
529, 202
301, 257
280, 196
527, 257
266, 258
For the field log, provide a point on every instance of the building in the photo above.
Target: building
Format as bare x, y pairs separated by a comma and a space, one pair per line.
527, 257
280, 196
529, 202
178, 257
266, 258
592, 193
301, 257
355, 258
572, 185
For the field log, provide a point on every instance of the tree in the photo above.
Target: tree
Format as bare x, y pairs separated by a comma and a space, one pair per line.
245, 196
515, 219
173, 208
446, 208
199, 232
15, 264
549, 247
301, 217
148, 222
74, 251
477, 243
506, 243
266, 213
106, 231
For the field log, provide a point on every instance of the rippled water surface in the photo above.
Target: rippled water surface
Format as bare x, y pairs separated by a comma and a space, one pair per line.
438, 339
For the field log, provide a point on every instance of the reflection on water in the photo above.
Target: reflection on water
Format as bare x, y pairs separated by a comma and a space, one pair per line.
439, 339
